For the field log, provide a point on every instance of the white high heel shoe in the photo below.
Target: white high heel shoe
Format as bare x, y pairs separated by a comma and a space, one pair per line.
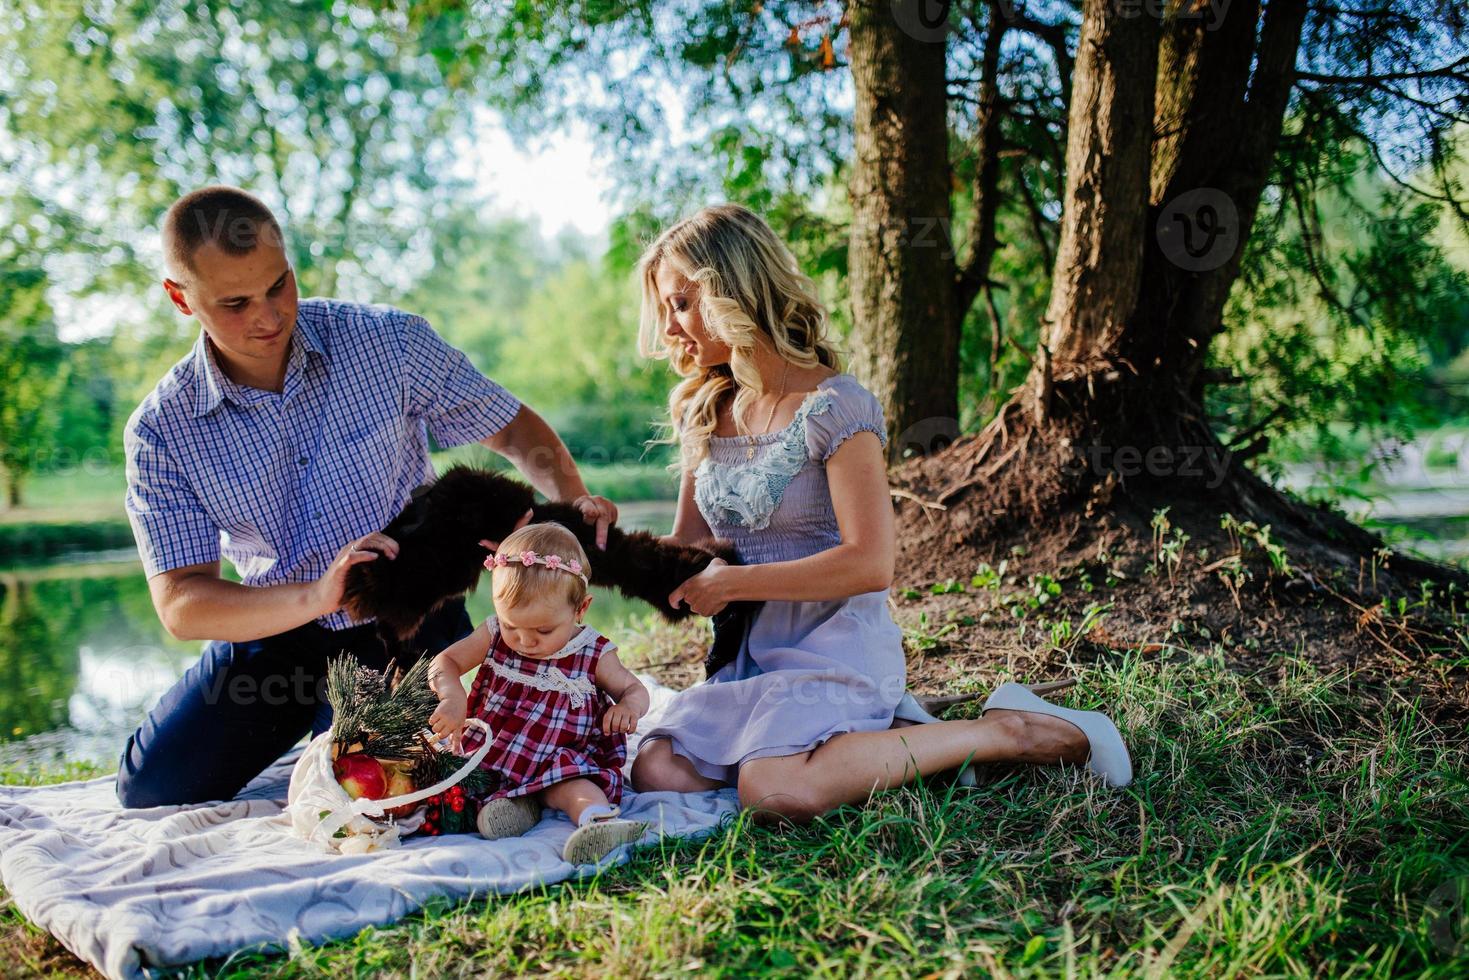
1109, 757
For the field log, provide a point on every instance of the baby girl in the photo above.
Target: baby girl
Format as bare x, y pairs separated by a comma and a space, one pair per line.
558, 702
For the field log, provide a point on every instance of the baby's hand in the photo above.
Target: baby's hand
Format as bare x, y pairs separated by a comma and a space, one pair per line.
447, 721
620, 720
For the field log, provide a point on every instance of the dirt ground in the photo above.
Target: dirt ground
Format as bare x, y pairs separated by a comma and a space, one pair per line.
1021, 604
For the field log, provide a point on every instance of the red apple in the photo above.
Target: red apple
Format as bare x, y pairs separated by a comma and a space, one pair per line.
361, 775
400, 784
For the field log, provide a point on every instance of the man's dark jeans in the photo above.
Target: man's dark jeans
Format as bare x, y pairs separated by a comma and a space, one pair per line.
244, 704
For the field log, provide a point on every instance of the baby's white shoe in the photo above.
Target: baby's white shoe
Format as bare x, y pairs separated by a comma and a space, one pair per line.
601, 832
508, 816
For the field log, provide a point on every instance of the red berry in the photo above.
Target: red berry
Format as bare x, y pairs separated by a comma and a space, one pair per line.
457, 806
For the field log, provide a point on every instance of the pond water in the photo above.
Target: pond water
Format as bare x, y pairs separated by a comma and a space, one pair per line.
83, 656
1417, 499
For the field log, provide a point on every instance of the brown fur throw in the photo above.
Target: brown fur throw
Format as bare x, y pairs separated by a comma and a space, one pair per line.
439, 557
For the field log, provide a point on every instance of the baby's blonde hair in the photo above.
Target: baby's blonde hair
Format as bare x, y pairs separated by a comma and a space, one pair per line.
750, 287
514, 582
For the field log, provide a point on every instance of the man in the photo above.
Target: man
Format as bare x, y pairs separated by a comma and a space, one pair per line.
292, 432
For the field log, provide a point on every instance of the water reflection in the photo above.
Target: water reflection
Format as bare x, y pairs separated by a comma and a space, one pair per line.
37, 668
83, 656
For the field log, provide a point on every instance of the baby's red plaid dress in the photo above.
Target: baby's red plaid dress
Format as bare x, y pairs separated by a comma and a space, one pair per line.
545, 717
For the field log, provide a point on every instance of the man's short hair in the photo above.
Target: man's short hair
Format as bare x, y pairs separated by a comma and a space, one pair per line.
231, 219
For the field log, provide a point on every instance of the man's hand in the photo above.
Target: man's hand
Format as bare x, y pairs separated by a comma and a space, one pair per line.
327, 590
599, 511
447, 721
620, 719
708, 592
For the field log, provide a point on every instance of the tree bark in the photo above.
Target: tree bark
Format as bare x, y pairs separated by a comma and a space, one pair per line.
1218, 130
905, 333
1099, 260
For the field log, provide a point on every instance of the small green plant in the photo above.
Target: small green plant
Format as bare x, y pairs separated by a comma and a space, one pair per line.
1243, 534
1245, 538
1065, 636
1168, 544
1042, 589
923, 638
989, 578
1231, 571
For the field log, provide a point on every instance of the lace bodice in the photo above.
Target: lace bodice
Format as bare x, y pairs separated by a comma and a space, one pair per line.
777, 505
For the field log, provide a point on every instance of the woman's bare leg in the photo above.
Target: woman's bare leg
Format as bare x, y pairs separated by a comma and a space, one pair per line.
657, 766
850, 767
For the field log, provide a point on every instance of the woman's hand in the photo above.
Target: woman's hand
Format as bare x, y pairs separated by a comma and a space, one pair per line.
599, 511
447, 721
620, 719
708, 592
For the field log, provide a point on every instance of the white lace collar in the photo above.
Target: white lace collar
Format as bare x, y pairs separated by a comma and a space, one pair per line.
746, 492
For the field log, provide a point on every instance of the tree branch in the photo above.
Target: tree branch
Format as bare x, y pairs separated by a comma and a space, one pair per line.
1451, 70
973, 272
1037, 220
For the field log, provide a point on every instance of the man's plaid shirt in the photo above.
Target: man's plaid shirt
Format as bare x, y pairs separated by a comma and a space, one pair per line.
278, 482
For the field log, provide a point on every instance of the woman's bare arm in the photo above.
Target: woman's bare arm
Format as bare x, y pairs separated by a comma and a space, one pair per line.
689, 525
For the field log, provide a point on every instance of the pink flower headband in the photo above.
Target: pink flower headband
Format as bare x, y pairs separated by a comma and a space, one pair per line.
528, 558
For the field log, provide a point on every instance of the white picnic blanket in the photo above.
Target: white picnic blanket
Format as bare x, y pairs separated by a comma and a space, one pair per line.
131, 890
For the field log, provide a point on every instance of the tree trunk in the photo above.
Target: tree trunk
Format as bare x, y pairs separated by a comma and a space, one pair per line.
1100, 257
1172, 134
905, 335
1218, 131
1116, 378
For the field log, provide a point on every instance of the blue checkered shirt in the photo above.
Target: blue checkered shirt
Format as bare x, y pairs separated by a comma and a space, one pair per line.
278, 482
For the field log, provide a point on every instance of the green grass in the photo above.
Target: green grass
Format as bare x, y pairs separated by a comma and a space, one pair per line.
72, 495
1288, 824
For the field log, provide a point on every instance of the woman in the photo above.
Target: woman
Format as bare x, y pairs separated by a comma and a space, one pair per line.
782, 454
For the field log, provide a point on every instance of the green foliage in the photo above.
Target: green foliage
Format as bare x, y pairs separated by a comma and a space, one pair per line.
343, 125
1349, 306
555, 326
23, 543
108, 111
31, 375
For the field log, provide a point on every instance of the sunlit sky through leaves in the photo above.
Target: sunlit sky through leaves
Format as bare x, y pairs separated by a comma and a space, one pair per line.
560, 183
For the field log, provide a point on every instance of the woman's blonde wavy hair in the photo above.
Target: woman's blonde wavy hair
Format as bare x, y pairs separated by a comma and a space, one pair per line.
750, 288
